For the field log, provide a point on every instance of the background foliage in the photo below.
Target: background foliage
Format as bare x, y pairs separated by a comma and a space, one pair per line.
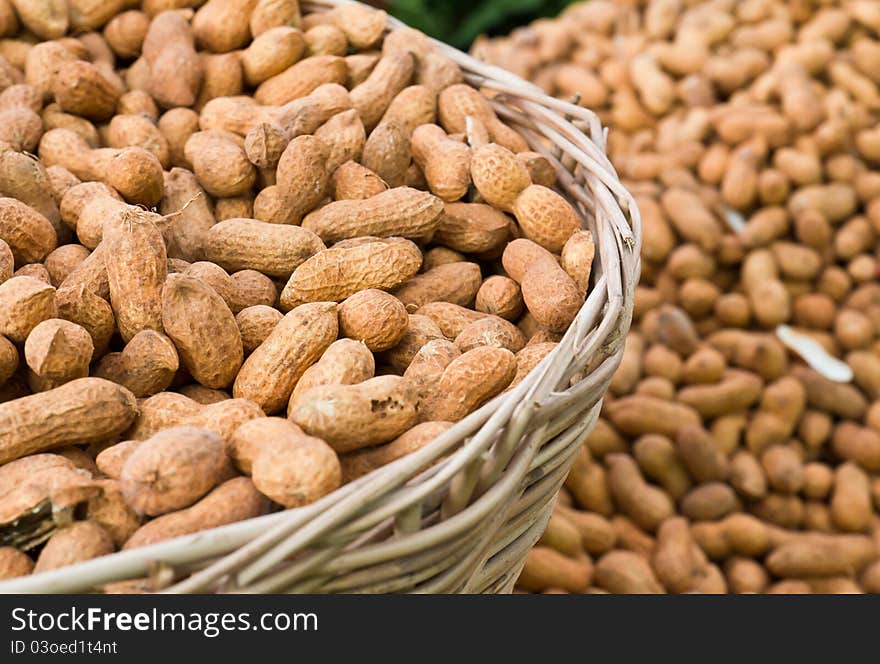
459, 22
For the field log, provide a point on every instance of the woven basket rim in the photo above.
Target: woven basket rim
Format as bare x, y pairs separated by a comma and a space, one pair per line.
252, 550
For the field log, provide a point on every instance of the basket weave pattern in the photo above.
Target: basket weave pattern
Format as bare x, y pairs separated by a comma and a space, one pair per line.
466, 523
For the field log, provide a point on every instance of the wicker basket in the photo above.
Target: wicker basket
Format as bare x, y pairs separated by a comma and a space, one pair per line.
466, 524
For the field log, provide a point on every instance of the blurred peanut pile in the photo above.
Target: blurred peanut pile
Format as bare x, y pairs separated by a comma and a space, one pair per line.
735, 451
247, 256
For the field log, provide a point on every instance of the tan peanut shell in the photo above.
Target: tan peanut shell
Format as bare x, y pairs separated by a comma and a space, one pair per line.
491, 331
453, 282
391, 74
25, 231
82, 89
25, 302
110, 511
374, 317
419, 331
110, 460
295, 470
388, 152
146, 365
577, 258
550, 294
136, 271
345, 362
255, 323
203, 330
244, 445
450, 318
345, 415
271, 52
58, 351
362, 264
468, 382
359, 463
301, 79
172, 470
500, 296
273, 249
14, 563
472, 228
498, 175
234, 500
354, 181
445, 162
344, 136
271, 372
401, 211
545, 217
81, 411
80, 305
76, 543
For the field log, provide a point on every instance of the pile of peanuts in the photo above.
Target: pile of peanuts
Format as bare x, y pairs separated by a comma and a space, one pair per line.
247, 256
739, 447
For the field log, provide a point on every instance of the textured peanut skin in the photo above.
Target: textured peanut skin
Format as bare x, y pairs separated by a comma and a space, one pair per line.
420, 330
111, 460
391, 75
255, 324
403, 212
145, 366
345, 137
58, 351
172, 470
374, 317
110, 511
473, 228
48, 19
27, 233
25, 302
136, 270
453, 282
345, 269
359, 463
81, 411
14, 563
76, 543
295, 470
545, 217
203, 329
81, 88
346, 415
245, 444
549, 293
491, 331
500, 296
271, 372
577, 258
175, 71
27, 180
80, 305
450, 318
272, 52
468, 382
302, 178
234, 500
345, 362
300, 79
273, 249
498, 175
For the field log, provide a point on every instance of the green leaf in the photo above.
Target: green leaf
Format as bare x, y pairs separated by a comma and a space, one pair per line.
459, 22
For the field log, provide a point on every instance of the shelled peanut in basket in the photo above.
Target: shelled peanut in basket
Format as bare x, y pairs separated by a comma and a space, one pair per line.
732, 455
247, 256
